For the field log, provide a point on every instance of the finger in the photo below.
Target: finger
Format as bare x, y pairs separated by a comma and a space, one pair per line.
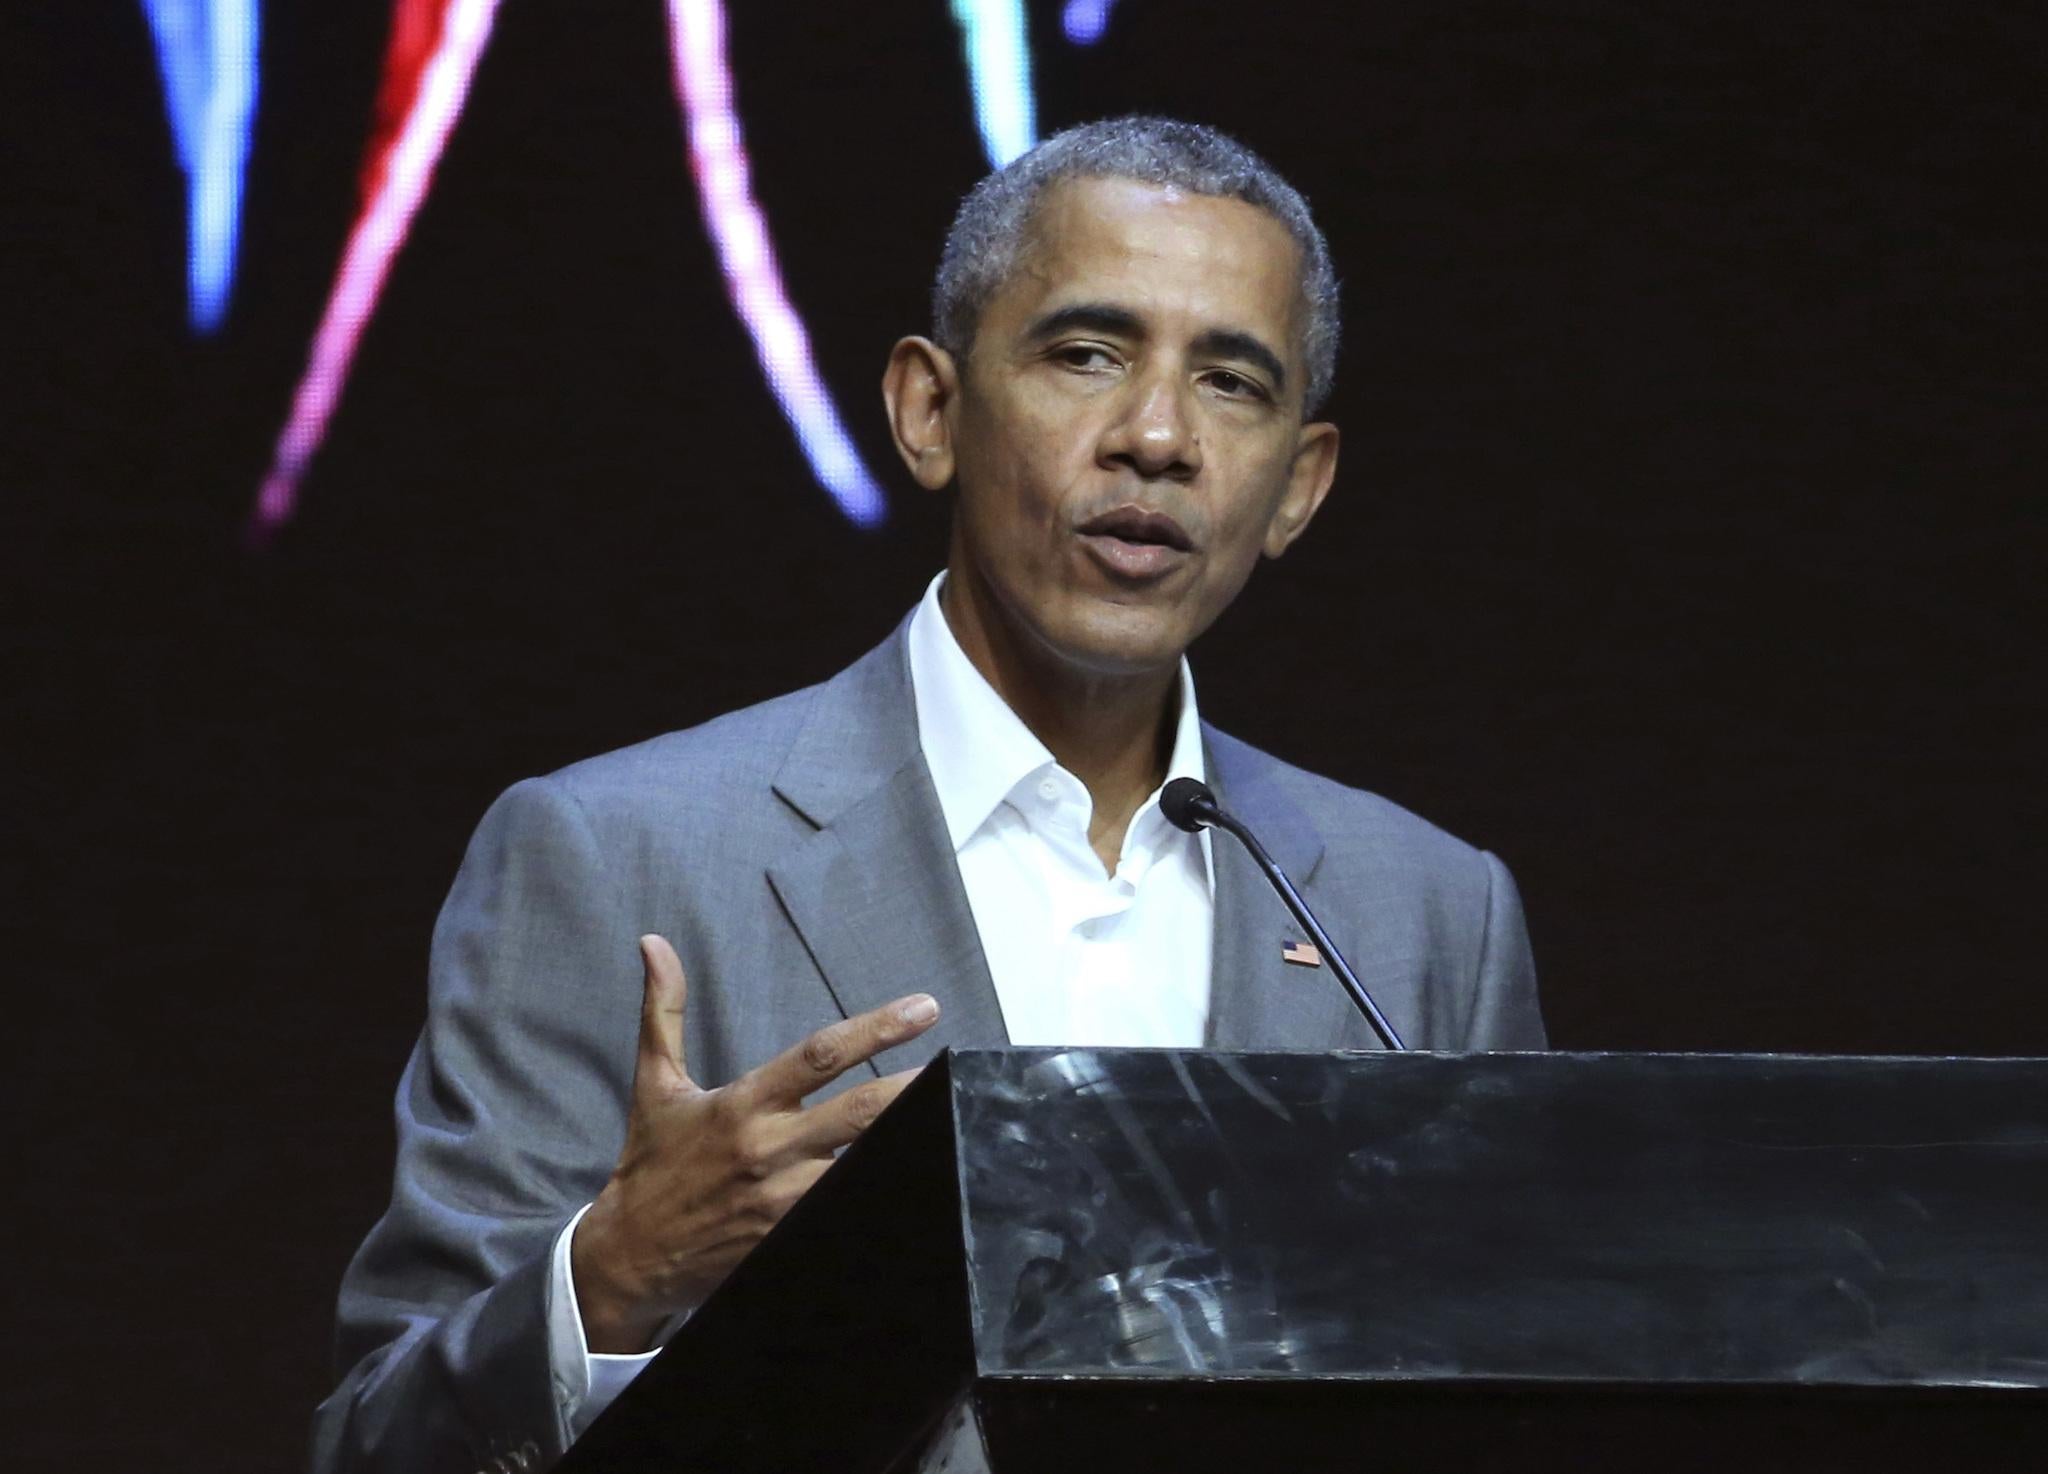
793, 1074
832, 1124
661, 1010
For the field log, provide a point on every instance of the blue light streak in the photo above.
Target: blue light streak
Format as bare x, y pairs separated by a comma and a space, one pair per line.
998, 53
206, 51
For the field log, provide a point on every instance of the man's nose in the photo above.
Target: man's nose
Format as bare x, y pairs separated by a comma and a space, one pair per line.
1155, 435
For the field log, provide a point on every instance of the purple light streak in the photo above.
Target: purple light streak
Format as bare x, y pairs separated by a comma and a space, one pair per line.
366, 262
746, 255
718, 159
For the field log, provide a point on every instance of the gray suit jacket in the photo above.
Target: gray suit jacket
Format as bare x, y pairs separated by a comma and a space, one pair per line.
795, 854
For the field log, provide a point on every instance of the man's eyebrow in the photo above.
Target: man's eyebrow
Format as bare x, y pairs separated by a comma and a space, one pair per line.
1121, 322
1093, 317
1230, 343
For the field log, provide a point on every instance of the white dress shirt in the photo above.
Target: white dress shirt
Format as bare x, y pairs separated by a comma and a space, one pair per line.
1077, 956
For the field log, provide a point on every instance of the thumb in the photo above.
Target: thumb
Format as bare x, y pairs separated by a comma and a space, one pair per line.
661, 1013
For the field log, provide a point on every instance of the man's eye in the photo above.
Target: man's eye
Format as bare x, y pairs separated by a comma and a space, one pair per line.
1084, 356
1237, 386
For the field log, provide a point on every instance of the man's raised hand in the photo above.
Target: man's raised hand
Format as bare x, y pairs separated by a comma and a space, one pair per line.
705, 1173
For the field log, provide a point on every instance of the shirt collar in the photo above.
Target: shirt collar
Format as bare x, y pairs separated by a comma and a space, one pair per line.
977, 749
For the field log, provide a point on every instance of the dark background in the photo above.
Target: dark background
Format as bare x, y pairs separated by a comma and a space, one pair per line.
1692, 394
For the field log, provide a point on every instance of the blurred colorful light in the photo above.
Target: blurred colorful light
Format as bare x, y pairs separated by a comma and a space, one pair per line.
1084, 21
998, 49
432, 58
746, 256
407, 168
206, 52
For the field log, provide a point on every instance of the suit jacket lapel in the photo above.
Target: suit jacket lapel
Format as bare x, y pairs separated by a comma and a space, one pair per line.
875, 892
1257, 999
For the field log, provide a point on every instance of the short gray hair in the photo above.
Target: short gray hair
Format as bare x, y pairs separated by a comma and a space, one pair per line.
982, 247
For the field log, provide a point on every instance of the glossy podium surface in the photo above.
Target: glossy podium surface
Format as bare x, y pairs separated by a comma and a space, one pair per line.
1110, 1259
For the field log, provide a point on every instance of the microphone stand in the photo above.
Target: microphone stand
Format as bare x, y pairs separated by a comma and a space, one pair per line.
1191, 806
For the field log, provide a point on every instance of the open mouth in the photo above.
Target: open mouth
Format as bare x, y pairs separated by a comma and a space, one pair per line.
1135, 525
1135, 543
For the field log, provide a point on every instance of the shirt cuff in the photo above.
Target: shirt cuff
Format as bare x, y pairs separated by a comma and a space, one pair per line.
585, 1384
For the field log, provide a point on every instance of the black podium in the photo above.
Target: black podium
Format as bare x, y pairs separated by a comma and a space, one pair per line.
1077, 1260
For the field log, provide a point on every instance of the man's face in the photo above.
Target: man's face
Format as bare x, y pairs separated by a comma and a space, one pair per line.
1128, 434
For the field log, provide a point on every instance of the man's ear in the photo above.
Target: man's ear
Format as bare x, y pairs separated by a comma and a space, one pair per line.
1308, 482
920, 388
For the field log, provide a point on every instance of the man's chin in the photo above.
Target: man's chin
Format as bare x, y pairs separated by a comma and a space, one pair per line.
1120, 641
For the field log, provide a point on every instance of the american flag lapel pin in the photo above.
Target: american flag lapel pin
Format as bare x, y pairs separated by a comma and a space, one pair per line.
1301, 954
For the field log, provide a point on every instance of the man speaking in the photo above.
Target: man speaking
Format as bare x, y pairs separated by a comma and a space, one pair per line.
957, 840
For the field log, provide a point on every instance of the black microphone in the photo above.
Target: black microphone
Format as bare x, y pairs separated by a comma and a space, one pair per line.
1188, 804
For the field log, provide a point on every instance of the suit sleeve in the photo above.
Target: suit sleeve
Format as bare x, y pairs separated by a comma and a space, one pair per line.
510, 1113
1505, 1014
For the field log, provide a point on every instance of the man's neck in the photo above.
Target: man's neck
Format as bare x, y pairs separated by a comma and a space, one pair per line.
1112, 731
